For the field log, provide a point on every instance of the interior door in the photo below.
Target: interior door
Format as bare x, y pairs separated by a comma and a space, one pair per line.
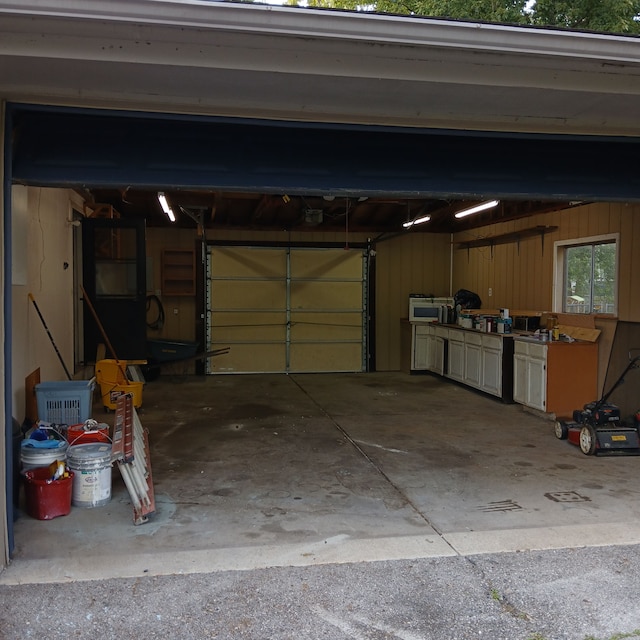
114, 278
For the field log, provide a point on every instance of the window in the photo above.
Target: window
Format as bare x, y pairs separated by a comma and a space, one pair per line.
587, 275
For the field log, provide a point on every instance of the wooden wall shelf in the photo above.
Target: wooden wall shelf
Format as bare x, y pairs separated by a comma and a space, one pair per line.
507, 238
178, 272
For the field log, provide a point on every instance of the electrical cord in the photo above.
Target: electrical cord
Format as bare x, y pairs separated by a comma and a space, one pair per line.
158, 323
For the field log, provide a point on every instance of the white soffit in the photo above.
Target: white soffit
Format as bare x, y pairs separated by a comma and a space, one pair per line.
291, 63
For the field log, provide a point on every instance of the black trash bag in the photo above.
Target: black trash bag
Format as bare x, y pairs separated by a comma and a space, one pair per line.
467, 299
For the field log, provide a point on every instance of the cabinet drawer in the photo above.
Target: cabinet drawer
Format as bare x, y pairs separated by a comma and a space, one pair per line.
441, 332
520, 348
533, 349
456, 336
492, 342
473, 338
538, 350
422, 330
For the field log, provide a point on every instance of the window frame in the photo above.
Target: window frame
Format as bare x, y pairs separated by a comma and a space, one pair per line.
559, 252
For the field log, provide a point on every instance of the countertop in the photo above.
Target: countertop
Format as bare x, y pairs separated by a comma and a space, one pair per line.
526, 336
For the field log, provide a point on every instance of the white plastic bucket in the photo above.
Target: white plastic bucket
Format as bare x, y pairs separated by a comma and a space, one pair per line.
34, 457
91, 465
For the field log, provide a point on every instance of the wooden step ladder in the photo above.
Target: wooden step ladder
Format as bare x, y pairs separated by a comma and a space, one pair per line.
131, 451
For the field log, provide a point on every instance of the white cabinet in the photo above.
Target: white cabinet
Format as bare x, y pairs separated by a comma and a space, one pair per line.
431, 348
492, 369
437, 340
420, 347
520, 377
455, 364
555, 377
481, 360
473, 359
428, 347
537, 383
530, 374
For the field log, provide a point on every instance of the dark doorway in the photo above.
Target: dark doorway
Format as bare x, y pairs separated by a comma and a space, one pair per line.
114, 278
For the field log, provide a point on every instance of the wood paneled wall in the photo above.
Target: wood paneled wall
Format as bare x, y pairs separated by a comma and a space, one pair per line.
179, 310
414, 262
411, 263
520, 275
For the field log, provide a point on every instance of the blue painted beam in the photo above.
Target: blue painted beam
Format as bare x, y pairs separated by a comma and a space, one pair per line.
55, 146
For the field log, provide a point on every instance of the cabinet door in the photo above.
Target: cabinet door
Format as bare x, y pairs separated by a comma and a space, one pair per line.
492, 371
536, 383
420, 347
438, 355
572, 376
421, 351
520, 383
472, 364
456, 360
430, 352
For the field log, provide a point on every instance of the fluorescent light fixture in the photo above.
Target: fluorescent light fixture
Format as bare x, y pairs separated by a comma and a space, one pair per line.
479, 207
408, 225
165, 206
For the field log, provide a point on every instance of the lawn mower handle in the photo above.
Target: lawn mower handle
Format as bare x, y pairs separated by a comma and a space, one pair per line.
633, 363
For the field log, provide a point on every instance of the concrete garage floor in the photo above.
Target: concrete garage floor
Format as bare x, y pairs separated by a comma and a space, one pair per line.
256, 471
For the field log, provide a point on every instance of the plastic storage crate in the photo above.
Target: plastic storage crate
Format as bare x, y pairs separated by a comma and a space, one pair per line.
65, 402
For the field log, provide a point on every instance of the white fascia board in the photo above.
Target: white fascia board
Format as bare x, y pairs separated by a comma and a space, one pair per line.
338, 25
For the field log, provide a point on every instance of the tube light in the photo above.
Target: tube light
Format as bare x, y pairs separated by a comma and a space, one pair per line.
408, 225
165, 206
479, 207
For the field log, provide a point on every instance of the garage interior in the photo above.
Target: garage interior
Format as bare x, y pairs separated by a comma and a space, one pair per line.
354, 463
260, 470
341, 455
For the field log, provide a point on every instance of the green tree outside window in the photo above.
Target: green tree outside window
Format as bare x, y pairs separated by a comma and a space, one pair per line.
590, 278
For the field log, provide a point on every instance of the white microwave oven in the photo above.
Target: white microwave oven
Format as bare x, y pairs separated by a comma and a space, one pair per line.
429, 309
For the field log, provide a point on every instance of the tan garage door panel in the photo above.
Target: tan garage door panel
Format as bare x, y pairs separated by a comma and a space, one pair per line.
326, 310
247, 309
326, 263
250, 262
325, 357
254, 327
320, 296
249, 295
286, 310
251, 358
326, 326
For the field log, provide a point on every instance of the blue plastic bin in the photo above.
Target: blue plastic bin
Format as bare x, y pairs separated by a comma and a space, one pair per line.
65, 402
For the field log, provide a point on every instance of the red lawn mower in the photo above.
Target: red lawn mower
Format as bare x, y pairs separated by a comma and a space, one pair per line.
598, 429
